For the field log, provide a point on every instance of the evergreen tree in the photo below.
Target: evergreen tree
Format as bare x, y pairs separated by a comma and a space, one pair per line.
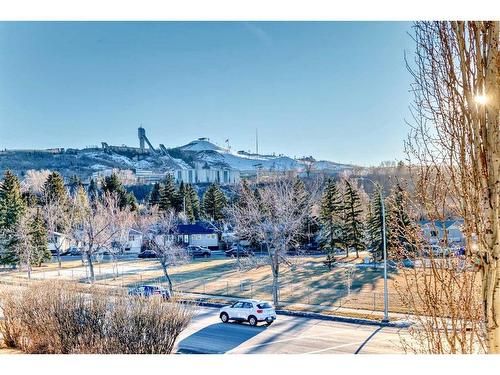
300, 197
74, 184
246, 191
300, 194
190, 204
38, 236
93, 191
30, 199
53, 188
194, 201
330, 217
12, 207
353, 223
181, 202
154, 195
113, 185
168, 195
132, 202
214, 202
375, 224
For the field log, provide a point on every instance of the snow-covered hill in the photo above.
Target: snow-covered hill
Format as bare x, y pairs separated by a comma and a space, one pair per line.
203, 151
200, 153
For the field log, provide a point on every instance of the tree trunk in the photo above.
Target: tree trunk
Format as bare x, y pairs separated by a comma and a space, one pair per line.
275, 269
491, 294
91, 267
167, 276
59, 257
491, 269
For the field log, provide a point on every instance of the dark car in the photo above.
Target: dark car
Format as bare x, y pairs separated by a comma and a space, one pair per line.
408, 263
238, 251
150, 291
147, 254
74, 251
198, 251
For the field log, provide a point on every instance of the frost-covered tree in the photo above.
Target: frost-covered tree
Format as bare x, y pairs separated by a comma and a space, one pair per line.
271, 218
98, 225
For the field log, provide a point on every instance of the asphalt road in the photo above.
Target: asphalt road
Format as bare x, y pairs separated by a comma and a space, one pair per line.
288, 335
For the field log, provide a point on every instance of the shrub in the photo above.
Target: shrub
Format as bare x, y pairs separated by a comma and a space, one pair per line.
58, 318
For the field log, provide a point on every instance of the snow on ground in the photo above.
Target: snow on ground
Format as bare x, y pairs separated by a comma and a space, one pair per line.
200, 145
205, 151
328, 165
98, 167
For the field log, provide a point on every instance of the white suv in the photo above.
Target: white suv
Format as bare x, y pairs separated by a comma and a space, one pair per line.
250, 311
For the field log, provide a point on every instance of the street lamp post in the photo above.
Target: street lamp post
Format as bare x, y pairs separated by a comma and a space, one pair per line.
384, 241
386, 295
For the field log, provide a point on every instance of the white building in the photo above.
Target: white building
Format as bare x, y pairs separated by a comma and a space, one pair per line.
133, 244
437, 231
198, 234
201, 175
97, 175
59, 241
148, 176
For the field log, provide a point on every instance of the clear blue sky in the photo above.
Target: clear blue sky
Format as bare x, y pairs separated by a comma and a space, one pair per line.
334, 90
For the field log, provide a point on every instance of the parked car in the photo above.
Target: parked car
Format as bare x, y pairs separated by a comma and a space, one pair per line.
198, 251
74, 251
150, 291
238, 251
408, 263
459, 251
147, 254
251, 311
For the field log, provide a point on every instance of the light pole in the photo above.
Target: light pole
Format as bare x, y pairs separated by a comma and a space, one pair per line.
384, 241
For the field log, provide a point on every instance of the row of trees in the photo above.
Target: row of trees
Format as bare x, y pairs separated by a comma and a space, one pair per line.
184, 198
23, 231
348, 222
97, 218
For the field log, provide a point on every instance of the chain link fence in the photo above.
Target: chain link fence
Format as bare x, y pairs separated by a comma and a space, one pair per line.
289, 293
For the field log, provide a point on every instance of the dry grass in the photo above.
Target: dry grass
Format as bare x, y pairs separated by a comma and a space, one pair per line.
307, 281
57, 318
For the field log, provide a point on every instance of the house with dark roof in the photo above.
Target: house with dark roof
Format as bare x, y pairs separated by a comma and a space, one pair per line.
437, 231
198, 234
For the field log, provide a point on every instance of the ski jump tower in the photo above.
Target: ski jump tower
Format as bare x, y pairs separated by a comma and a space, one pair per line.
141, 133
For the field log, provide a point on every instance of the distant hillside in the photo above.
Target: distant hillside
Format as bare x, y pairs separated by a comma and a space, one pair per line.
200, 153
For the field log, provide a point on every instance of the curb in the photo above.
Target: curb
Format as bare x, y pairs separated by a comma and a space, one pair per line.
312, 315
343, 319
